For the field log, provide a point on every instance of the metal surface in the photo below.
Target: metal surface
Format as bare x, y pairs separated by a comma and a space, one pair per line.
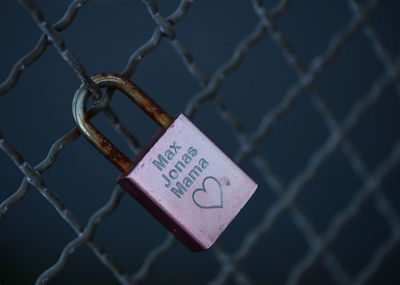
114, 155
188, 184
231, 263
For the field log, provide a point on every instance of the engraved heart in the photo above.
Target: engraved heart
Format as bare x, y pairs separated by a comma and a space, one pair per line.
207, 197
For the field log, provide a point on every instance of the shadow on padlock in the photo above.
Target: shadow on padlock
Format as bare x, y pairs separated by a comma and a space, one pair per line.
180, 176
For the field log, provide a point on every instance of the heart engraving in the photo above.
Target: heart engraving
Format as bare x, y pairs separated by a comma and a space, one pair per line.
202, 193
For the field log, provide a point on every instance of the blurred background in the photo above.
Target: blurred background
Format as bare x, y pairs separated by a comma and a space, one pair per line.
303, 95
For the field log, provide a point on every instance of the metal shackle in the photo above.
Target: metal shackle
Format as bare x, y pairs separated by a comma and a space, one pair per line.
113, 154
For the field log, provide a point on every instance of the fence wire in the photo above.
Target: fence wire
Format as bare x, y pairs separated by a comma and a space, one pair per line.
249, 144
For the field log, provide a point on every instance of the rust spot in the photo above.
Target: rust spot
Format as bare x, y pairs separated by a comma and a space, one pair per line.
225, 181
113, 154
140, 98
146, 104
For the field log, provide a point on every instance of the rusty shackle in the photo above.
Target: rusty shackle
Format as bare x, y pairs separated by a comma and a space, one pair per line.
113, 154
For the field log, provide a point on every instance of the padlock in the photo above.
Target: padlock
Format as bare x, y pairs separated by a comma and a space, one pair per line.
180, 176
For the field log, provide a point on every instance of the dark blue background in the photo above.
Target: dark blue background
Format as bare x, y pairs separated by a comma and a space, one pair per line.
103, 36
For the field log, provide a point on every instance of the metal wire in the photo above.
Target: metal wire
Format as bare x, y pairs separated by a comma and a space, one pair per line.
248, 143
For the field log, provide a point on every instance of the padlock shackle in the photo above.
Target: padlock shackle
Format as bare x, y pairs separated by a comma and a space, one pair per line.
113, 154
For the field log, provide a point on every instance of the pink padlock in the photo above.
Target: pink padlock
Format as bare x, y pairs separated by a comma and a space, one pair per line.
180, 176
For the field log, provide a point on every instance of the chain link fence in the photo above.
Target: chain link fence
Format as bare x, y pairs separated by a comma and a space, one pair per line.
232, 266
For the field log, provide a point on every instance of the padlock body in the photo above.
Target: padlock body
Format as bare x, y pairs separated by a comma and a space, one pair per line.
186, 182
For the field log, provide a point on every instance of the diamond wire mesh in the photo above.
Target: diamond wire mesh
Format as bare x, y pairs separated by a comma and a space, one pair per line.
249, 144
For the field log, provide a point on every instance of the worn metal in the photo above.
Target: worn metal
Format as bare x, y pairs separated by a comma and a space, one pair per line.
188, 184
134, 93
248, 144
